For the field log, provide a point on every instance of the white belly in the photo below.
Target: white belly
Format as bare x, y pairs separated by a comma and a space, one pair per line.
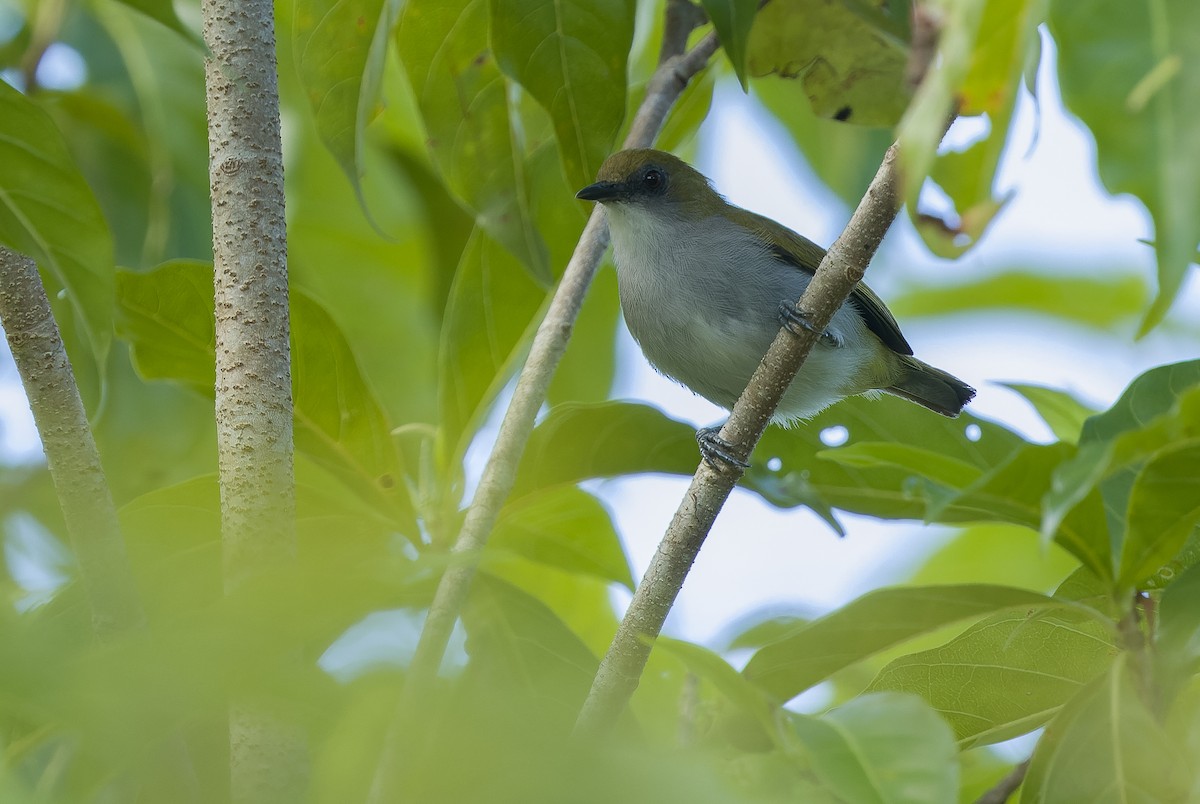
704, 307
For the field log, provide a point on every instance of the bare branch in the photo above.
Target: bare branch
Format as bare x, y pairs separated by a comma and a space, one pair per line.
71, 453
840, 270
253, 362
675, 70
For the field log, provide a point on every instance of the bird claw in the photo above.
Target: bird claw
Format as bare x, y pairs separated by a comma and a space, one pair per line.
793, 321
716, 451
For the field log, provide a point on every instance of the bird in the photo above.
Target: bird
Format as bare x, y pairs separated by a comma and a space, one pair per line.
705, 286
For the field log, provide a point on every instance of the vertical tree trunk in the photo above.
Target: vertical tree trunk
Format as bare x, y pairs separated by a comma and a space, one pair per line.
253, 389
71, 453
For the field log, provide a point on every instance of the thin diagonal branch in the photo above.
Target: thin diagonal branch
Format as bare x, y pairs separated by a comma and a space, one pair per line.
71, 453
676, 69
840, 270
1003, 789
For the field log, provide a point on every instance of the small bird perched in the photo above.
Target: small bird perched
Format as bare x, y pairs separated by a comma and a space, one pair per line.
705, 286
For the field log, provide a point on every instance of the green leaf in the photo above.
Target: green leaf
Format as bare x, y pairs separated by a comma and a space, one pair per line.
972, 680
473, 134
48, 213
1062, 413
849, 57
1164, 508
880, 490
1142, 115
998, 553
871, 624
702, 662
1006, 34
164, 12
566, 528
1106, 746
588, 368
846, 158
518, 644
733, 20
338, 421
1158, 409
490, 318
1178, 642
949, 471
340, 50
885, 748
571, 57
166, 317
1101, 301
577, 442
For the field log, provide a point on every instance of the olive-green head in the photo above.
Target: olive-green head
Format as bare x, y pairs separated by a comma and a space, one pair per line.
654, 181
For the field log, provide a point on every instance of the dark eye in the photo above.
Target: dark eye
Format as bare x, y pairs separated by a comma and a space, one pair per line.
654, 180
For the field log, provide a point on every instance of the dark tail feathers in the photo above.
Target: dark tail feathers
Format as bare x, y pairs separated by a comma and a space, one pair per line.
931, 388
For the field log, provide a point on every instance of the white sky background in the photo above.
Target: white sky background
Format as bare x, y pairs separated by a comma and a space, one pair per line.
758, 557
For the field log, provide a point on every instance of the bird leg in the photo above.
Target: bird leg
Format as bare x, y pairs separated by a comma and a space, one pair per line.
713, 448
793, 320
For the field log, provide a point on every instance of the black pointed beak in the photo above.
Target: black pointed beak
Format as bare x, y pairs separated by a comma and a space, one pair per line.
601, 191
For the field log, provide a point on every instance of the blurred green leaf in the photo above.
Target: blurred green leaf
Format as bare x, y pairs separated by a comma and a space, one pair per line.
1106, 746
1062, 413
48, 212
846, 158
849, 57
489, 320
472, 134
997, 553
340, 49
1006, 34
1164, 508
588, 368
161, 191
566, 528
1179, 630
972, 680
571, 56
756, 630
164, 12
702, 662
733, 20
873, 623
516, 642
1142, 115
1100, 301
885, 748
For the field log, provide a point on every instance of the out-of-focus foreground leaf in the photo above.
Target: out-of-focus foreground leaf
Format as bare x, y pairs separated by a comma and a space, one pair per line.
1131, 73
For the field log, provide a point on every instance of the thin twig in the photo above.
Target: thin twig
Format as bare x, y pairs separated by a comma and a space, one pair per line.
1002, 791
71, 454
675, 70
840, 270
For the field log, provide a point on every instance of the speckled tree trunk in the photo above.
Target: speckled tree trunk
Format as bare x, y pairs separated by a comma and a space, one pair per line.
74, 462
253, 388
